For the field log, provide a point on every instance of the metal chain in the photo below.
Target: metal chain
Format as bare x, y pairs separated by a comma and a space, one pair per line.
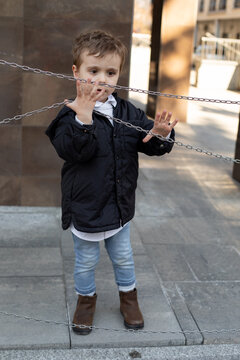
30, 113
93, 327
119, 87
129, 125
178, 143
138, 128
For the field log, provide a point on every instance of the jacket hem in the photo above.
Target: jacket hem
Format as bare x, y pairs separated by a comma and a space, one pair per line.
114, 226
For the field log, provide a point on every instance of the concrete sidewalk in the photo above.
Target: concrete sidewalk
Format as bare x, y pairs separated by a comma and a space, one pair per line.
186, 241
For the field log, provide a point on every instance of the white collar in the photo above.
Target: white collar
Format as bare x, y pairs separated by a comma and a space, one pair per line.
111, 101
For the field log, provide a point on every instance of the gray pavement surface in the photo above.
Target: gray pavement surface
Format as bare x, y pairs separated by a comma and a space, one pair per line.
199, 352
186, 241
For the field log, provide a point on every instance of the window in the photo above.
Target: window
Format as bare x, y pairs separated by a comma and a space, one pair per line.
212, 6
201, 6
222, 4
237, 3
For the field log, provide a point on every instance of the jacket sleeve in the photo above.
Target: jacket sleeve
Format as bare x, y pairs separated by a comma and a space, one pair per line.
73, 142
154, 146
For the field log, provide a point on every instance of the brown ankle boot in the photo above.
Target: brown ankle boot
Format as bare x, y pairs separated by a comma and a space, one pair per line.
84, 314
129, 308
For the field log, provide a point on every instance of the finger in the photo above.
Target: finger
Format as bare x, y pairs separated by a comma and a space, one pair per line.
68, 103
147, 138
168, 118
163, 115
98, 90
95, 88
88, 87
157, 117
174, 123
100, 93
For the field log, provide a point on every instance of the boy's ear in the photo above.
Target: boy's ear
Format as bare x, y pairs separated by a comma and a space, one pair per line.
74, 70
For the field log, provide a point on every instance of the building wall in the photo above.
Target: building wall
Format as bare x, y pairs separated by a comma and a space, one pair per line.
221, 23
40, 34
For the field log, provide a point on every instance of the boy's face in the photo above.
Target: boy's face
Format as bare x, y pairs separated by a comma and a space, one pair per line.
104, 69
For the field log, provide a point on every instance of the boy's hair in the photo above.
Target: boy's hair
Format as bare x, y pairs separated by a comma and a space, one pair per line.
98, 43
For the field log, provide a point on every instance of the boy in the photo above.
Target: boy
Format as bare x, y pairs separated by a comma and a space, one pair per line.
99, 176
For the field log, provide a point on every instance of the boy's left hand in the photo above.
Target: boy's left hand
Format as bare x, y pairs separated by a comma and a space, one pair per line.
162, 125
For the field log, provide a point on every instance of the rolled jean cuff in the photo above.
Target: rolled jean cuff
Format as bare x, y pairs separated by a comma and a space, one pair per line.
127, 288
85, 292
90, 294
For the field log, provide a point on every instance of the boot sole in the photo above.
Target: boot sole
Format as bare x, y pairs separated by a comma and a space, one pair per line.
133, 327
79, 331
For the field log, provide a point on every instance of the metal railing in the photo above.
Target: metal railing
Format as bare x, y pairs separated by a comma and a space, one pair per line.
213, 48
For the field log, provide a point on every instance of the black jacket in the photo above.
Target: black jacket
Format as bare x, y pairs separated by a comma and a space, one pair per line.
99, 176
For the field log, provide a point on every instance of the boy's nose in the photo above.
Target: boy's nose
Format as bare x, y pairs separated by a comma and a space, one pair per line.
101, 78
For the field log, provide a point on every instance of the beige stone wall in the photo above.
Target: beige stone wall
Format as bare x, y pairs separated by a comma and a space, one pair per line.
40, 34
229, 13
218, 22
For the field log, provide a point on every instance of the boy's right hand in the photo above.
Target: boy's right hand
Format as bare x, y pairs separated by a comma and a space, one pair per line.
87, 95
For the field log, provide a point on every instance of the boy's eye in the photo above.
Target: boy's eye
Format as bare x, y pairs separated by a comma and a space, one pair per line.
93, 71
111, 73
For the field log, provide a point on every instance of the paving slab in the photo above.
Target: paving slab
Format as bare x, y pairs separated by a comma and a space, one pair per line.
229, 208
31, 209
169, 262
41, 226
179, 182
37, 297
136, 241
212, 262
183, 315
175, 262
149, 206
187, 230
30, 262
215, 307
172, 204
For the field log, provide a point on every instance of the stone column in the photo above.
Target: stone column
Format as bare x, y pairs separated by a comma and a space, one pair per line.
176, 21
236, 167
40, 34
11, 45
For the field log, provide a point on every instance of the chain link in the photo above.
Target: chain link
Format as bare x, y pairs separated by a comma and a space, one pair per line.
30, 113
119, 87
129, 125
93, 327
178, 143
137, 128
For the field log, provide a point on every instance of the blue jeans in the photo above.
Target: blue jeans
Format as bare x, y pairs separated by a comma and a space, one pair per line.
87, 255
